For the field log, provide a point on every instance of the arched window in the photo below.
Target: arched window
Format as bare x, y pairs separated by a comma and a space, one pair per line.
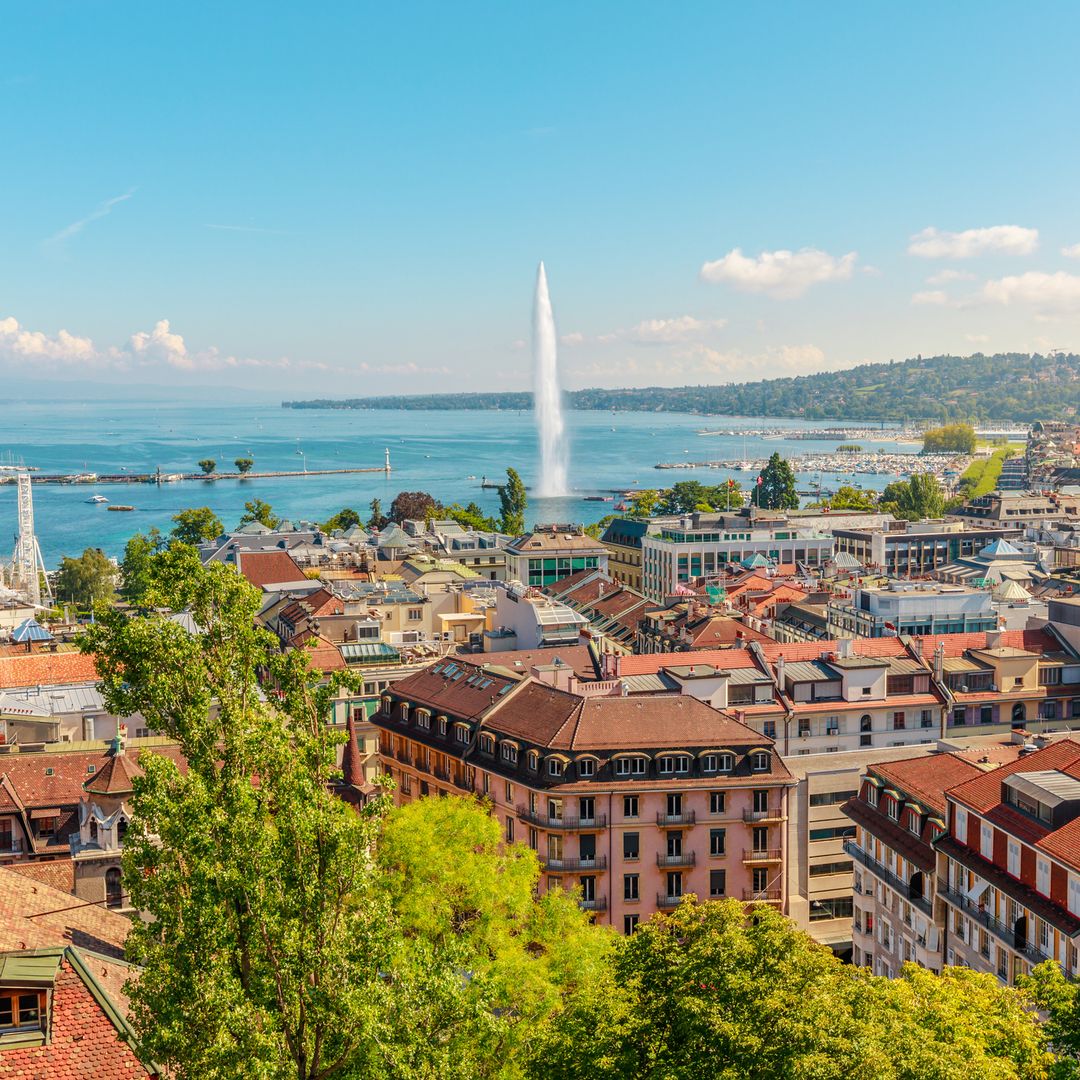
93, 828
121, 830
404, 712
1018, 717
114, 895
866, 724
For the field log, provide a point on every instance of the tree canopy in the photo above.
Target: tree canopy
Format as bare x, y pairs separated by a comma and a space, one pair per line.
244, 464
196, 526
208, 465
776, 486
136, 565
914, 499
513, 502
344, 519
413, 506
85, 579
686, 496
949, 439
262, 512
469, 517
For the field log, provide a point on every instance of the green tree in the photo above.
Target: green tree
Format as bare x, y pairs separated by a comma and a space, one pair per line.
914, 499
413, 506
718, 994
644, 504
378, 519
470, 517
949, 439
512, 504
137, 562
597, 528
850, 498
266, 939
244, 464
262, 512
776, 486
208, 465
86, 579
684, 498
542, 983
342, 520
196, 526
1059, 998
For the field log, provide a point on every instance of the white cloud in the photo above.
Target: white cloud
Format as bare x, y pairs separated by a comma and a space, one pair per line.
944, 277
146, 349
783, 274
933, 297
102, 210
1057, 293
16, 342
977, 339
1071, 251
677, 330
996, 239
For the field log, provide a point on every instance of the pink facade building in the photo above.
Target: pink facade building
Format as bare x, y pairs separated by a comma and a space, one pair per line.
635, 801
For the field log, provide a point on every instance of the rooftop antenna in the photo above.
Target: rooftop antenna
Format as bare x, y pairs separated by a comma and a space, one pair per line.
27, 565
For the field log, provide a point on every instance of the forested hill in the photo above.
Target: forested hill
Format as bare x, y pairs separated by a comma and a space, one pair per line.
1008, 386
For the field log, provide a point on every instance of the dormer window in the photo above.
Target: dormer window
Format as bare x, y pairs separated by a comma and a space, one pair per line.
630, 766
915, 824
892, 808
461, 733
404, 712
759, 761
554, 766
666, 765
509, 753
387, 704
534, 760
871, 794
21, 1010
487, 744
442, 725
586, 767
682, 764
423, 719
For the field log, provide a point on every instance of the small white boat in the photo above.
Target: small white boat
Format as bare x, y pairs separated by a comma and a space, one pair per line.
745, 466
97, 499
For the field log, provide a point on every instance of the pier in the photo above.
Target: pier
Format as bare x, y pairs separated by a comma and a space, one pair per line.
170, 478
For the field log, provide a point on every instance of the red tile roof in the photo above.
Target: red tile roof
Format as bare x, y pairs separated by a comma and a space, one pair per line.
115, 777
46, 669
1037, 641
523, 661
34, 915
926, 779
651, 663
264, 568
83, 1044
57, 874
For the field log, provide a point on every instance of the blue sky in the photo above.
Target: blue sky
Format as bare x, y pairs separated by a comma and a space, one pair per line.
353, 198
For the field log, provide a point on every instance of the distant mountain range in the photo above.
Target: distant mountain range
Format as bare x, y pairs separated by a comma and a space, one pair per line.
1007, 386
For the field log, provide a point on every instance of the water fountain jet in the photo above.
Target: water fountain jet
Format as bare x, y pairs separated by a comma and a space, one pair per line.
547, 401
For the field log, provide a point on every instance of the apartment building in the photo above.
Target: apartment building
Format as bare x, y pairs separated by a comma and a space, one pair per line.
702, 546
551, 552
634, 801
622, 538
1008, 866
917, 610
917, 548
894, 819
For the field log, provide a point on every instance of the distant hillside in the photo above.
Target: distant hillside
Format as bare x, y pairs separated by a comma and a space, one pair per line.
1009, 386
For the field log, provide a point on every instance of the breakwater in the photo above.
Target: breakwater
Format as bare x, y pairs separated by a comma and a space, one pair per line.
161, 478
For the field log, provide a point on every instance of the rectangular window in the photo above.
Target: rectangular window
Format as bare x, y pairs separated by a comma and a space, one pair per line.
630, 845
630, 886
898, 721
629, 924
717, 841
509, 830
586, 767
842, 866
415, 614
1014, 858
986, 840
1042, 876
926, 719
959, 716
1074, 894
587, 808
630, 806
717, 802
717, 882
986, 714
831, 798
961, 825
834, 832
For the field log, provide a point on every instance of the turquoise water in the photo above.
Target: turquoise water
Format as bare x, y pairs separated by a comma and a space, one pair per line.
430, 451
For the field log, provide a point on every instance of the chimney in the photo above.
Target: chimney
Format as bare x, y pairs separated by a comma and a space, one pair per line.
993, 639
939, 661
780, 671
918, 648
844, 648
352, 769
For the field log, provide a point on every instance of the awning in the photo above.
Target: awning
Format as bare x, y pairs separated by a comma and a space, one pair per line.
975, 893
53, 811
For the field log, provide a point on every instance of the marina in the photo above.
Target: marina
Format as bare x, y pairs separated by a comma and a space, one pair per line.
843, 464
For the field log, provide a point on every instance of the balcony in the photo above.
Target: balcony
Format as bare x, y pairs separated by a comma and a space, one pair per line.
584, 866
589, 824
664, 820
441, 774
1002, 931
770, 814
764, 896
686, 858
668, 900
461, 781
763, 855
598, 903
901, 887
